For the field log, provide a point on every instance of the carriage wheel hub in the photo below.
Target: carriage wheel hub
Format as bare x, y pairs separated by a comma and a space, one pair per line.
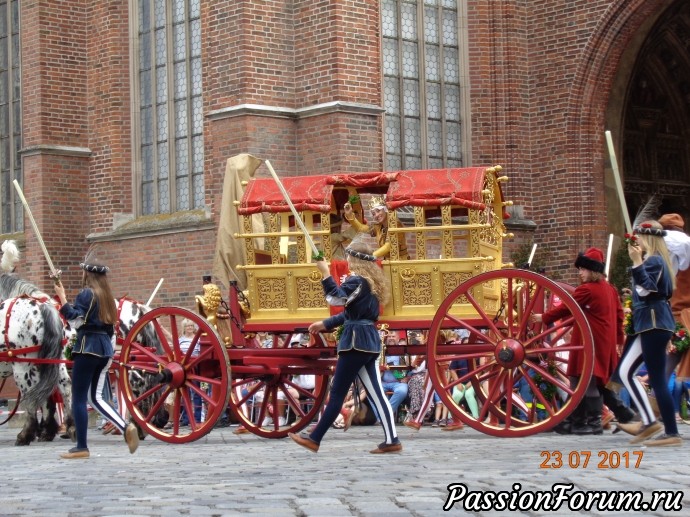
509, 353
174, 375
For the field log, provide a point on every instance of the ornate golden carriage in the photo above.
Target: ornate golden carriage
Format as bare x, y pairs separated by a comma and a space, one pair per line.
452, 222
453, 277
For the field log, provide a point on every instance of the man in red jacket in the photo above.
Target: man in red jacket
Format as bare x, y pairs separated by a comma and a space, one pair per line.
601, 304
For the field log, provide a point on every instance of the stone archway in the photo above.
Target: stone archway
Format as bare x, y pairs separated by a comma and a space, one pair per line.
656, 115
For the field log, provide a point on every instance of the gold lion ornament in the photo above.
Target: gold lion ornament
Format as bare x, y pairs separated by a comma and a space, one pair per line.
208, 303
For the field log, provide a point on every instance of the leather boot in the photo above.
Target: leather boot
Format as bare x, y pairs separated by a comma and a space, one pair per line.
579, 419
594, 410
564, 427
623, 413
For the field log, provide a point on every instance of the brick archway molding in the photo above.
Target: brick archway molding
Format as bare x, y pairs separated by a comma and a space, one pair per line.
587, 108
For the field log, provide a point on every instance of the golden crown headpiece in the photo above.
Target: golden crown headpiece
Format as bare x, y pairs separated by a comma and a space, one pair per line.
377, 202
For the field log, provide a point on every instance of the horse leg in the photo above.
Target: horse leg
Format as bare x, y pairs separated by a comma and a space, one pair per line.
24, 377
28, 432
49, 426
65, 387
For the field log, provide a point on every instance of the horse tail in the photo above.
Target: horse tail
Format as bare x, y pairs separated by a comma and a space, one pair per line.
51, 348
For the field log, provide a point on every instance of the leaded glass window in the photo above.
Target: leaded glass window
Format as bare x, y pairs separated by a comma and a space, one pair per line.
170, 113
10, 117
422, 84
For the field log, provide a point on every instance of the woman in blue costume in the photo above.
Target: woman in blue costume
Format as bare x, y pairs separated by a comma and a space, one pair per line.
362, 293
653, 284
92, 354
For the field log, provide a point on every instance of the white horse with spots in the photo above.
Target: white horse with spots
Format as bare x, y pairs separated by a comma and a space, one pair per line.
31, 328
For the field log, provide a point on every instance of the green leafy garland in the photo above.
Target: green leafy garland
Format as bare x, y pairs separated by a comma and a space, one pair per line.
627, 319
546, 388
681, 339
69, 347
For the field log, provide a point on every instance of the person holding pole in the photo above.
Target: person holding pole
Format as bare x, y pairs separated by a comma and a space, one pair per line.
653, 326
362, 294
93, 353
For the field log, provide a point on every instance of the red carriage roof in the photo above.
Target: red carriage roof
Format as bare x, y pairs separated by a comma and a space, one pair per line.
434, 187
438, 187
306, 192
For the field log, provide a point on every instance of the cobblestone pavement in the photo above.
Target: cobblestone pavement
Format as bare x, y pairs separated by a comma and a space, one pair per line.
225, 474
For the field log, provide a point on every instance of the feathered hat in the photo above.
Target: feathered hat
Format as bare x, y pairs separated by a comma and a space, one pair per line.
648, 213
93, 265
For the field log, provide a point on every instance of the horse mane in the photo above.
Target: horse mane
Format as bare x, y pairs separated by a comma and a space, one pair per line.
127, 317
12, 286
51, 348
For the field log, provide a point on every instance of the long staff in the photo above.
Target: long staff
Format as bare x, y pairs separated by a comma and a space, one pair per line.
54, 273
619, 184
298, 219
155, 291
608, 255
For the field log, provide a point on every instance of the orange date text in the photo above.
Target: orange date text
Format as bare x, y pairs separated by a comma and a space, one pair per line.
594, 459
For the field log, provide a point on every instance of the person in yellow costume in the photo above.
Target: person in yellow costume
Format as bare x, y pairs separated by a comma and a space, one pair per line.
378, 228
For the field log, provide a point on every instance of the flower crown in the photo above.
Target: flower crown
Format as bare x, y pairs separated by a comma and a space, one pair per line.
377, 202
648, 229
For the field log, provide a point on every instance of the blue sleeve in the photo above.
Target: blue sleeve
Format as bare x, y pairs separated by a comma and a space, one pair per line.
343, 292
334, 321
81, 306
648, 274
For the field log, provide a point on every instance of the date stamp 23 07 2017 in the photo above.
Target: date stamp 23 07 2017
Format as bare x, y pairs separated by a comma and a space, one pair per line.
598, 459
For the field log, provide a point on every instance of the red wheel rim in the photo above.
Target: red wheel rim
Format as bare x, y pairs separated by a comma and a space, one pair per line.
506, 350
10, 414
207, 374
253, 402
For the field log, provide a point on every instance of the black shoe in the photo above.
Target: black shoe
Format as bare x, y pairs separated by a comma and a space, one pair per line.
563, 428
582, 430
385, 448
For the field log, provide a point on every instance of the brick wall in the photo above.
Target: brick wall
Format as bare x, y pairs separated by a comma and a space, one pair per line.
541, 77
55, 133
540, 80
109, 114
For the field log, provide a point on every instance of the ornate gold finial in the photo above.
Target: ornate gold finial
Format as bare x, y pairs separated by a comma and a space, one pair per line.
377, 202
208, 304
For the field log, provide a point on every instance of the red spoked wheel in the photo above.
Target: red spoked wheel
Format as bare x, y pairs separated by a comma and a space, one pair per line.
6, 417
271, 403
514, 368
160, 380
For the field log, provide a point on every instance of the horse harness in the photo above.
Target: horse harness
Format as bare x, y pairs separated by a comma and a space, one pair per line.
9, 354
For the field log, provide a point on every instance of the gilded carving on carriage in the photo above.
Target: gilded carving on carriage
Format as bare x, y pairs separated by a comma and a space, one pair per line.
451, 280
418, 290
208, 303
271, 293
309, 294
